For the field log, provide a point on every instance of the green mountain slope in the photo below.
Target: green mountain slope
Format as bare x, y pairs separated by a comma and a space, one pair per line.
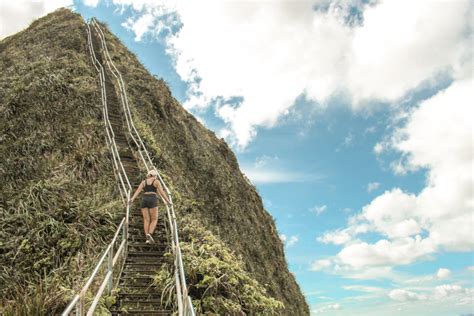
58, 192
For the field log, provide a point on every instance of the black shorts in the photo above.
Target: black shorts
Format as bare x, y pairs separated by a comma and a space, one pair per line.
149, 201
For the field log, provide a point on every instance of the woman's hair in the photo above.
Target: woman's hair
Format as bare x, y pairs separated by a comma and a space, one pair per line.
152, 173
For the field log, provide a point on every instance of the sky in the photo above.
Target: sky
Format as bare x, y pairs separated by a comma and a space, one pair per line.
354, 119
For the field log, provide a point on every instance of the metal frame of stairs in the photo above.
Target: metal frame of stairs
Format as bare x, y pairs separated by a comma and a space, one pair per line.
115, 250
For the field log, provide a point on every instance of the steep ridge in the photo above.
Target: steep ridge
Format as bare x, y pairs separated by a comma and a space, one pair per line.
200, 169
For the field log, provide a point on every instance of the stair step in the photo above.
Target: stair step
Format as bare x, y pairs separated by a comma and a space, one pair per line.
140, 312
145, 262
148, 247
138, 278
157, 254
150, 272
148, 283
158, 261
139, 295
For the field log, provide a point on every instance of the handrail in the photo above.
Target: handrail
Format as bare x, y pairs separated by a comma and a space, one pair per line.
185, 306
78, 300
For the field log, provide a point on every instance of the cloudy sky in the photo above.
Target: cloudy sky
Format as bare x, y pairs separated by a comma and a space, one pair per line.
353, 118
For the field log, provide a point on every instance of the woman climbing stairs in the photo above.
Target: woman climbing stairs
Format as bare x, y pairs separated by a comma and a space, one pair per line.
136, 293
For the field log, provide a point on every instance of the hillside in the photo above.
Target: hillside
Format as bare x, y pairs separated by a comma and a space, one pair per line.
58, 196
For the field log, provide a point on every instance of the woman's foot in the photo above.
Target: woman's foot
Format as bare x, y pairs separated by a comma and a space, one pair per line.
149, 238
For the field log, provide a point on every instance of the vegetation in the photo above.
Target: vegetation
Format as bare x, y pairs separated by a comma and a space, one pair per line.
58, 198
218, 281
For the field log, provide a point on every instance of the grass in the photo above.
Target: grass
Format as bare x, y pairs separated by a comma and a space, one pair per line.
218, 281
59, 201
58, 198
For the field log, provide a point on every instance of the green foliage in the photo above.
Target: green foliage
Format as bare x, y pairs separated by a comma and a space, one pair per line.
217, 279
58, 197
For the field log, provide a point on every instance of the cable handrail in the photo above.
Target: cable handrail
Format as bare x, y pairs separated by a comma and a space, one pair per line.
185, 306
78, 301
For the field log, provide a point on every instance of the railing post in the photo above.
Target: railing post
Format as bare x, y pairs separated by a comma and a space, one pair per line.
109, 269
81, 305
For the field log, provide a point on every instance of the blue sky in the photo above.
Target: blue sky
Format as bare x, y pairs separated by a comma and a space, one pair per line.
354, 120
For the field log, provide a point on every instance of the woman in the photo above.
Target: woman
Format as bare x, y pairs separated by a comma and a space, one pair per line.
149, 203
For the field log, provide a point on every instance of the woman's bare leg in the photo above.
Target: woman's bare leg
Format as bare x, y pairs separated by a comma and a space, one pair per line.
154, 220
146, 220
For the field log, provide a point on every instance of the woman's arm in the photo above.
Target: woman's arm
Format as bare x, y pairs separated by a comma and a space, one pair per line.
139, 189
162, 193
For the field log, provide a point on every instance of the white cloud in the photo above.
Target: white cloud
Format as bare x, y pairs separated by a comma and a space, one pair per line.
139, 26
17, 15
339, 237
271, 52
443, 273
268, 169
318, 209
319, 265
404, 295
437, 137
91, 3
447, 290
470, 268
261, 176
326, 308
372, 186
385, 252
289, 241
446, 294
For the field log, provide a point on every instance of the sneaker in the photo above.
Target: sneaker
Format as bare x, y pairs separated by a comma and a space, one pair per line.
149, 238
147, 241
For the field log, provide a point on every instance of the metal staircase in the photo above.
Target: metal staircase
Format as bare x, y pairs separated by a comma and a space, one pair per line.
130, 263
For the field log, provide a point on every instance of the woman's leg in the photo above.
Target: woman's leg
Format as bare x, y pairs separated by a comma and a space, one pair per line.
146, 220
154, 220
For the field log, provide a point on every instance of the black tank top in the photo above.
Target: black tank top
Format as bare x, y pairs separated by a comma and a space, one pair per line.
150, 187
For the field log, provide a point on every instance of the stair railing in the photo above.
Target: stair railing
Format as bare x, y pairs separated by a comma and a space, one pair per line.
78, 301
185, 306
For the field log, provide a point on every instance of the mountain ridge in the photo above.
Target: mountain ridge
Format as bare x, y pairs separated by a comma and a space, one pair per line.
201, 169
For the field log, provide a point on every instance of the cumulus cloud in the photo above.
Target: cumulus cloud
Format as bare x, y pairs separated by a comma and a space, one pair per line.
326, 308
268, 53
445, 293
443, 273
289, 241
404, 295
91, 3
339, 237
437, 137
17, 15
